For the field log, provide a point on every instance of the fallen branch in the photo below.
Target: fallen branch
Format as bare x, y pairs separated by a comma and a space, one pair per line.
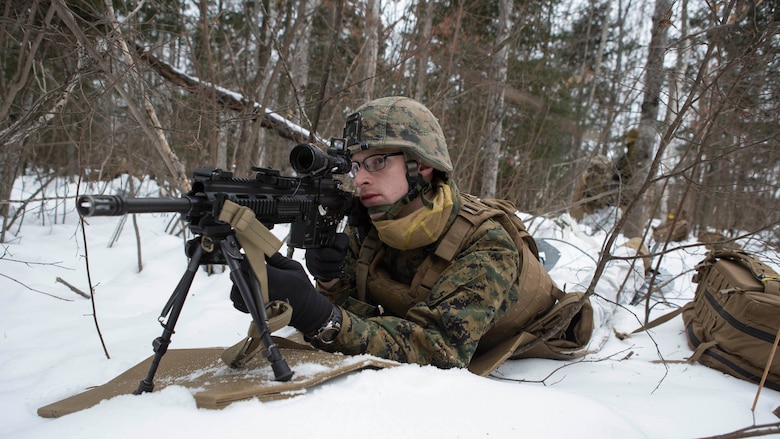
752, 431
228, 99
73, 288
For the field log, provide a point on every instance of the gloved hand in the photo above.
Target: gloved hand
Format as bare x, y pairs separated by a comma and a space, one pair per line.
327, 263
288, 281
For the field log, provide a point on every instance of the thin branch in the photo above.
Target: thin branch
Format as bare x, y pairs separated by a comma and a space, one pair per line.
558, 369
73, 288
33, 289
92, 289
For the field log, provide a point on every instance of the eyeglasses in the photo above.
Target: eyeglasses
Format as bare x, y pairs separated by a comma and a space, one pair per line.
372, 163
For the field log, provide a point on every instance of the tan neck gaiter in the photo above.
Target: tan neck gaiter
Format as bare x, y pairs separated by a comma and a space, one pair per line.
420, 228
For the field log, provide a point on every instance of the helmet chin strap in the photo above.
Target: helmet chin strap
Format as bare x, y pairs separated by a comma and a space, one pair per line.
417, 186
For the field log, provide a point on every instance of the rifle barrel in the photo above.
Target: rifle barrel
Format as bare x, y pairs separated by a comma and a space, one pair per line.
112, 205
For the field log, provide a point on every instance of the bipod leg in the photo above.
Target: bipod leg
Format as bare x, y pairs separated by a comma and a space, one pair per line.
172, 310
256, 306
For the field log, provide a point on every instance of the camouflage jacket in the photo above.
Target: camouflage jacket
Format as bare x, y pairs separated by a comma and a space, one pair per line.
444, 328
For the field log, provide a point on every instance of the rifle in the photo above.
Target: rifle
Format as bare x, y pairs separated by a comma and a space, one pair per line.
313, 203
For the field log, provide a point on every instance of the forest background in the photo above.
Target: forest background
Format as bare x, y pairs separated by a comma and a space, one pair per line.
527, 92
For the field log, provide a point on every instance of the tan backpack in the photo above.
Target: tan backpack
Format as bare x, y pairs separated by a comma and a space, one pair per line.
734, 318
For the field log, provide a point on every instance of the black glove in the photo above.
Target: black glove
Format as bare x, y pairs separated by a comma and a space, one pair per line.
327, 263
288, 281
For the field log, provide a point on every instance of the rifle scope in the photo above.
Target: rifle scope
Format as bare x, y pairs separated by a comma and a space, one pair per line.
308, 159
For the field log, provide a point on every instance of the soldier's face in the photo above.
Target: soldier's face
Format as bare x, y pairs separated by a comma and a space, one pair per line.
384, 186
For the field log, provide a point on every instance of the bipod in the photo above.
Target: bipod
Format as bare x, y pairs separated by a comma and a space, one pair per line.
206, 251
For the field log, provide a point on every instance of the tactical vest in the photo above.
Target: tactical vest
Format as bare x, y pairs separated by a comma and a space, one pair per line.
537, 291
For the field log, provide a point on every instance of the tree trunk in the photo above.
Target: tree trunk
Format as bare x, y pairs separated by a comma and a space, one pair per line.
371, 52
676, 84
216, 144
637, 214
496, 105
300, 59
338, 10
423, 49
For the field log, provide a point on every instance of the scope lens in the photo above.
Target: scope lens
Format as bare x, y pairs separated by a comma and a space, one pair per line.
304, 160
308, 159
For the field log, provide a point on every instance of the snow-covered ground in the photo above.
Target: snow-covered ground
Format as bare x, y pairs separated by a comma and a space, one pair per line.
50, 349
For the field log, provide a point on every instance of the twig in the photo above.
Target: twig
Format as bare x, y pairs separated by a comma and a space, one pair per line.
138, 244
766, 369
23, 208
557, 369
29, 263
117, 231
73, 288
33, 289
92, 289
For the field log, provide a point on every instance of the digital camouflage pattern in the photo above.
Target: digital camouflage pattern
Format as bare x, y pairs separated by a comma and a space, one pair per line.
445, 328
400, 122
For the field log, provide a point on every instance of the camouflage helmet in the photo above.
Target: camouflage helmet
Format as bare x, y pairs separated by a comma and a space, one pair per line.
399, 122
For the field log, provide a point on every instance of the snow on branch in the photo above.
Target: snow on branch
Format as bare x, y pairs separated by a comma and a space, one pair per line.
230, 100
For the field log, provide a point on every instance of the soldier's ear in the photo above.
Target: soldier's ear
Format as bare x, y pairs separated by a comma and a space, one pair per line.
425, 171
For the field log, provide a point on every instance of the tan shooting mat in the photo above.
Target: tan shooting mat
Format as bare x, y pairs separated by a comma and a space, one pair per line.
214, 385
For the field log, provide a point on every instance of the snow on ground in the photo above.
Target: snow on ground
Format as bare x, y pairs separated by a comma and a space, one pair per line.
50, 350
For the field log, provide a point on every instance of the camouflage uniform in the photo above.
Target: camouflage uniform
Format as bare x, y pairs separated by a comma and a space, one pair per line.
596, 183
606, 183
443, 329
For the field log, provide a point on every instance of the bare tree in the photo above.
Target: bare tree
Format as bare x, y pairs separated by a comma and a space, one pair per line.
23, 37
648, 124
522, 102
496, 99
425, 24
371, 52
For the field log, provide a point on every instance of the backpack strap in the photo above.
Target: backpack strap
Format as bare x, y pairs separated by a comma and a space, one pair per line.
473, 212
462, 229
509, 210
660, 320
470, 216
